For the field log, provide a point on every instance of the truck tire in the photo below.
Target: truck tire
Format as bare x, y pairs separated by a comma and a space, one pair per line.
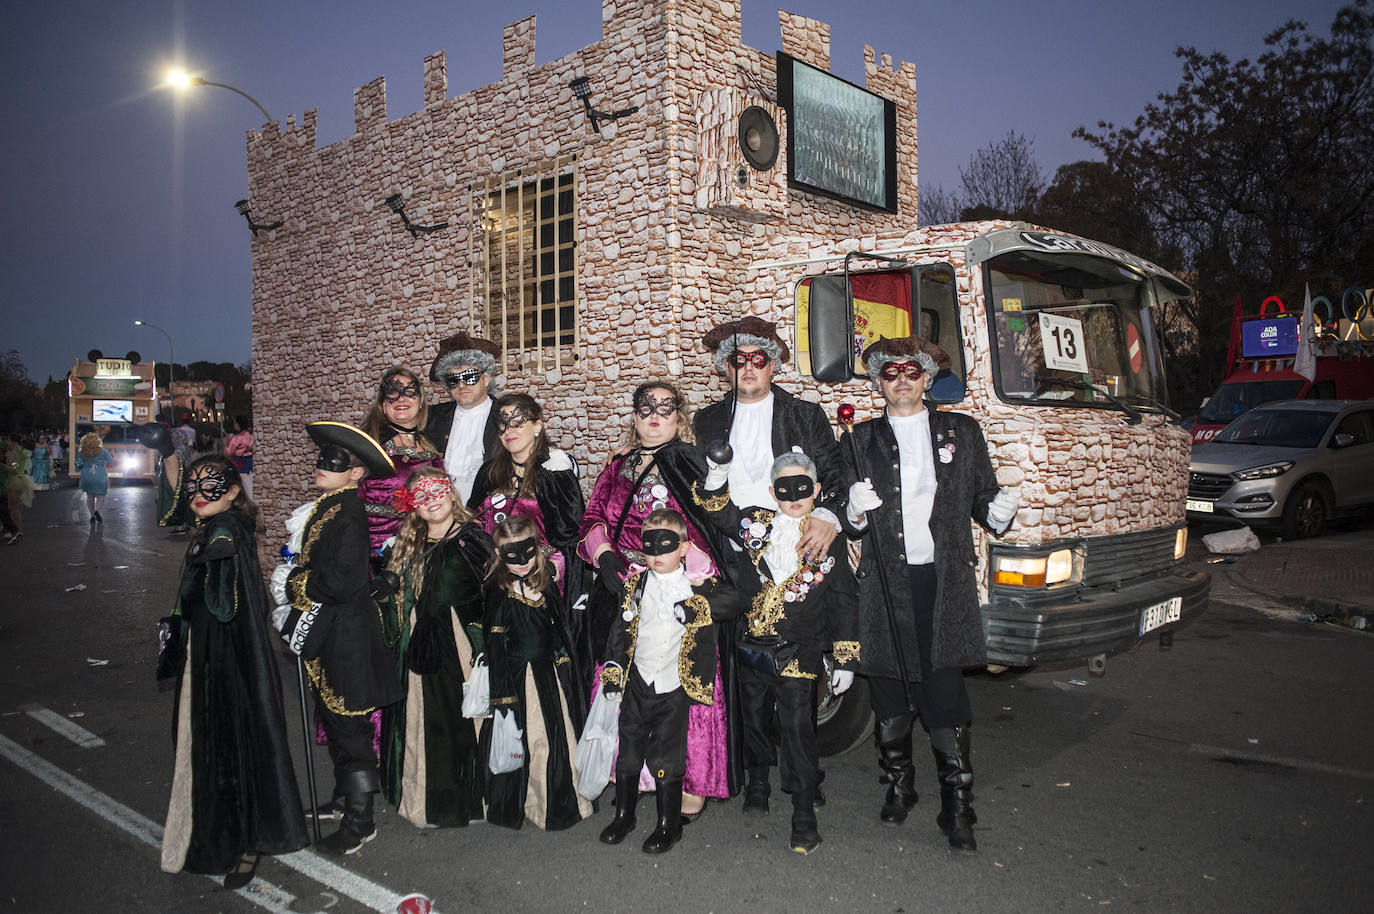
842, 721
1306, 512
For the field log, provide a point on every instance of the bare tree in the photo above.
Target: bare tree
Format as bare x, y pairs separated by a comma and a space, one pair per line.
1002, 180
938, 206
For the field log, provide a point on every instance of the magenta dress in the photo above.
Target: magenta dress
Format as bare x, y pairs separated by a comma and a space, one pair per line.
707, 773
383, 520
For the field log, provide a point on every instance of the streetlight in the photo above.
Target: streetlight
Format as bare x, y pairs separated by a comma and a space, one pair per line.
171, 365
180, 79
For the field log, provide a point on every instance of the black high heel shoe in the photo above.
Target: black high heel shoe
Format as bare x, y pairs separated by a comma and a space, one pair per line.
240, 877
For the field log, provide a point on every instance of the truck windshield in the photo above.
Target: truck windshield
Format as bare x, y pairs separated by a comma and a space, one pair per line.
1073, 330
1231, 400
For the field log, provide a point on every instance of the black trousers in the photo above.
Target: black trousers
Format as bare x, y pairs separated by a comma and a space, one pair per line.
350, 741
940, 696
653, 729
797, 756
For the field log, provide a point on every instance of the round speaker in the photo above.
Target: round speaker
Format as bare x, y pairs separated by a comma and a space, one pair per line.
133, 356
95, 355
758, 138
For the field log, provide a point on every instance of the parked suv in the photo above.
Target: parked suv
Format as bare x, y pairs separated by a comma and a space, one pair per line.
1291, 464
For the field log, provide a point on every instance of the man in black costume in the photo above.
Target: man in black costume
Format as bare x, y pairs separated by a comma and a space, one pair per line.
929, 472
328, 617
464, 428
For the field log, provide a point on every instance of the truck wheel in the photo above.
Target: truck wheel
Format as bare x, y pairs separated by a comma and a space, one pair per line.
842, 721
1305, 512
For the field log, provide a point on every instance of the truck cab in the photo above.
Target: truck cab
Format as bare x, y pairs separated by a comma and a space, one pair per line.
1056, 353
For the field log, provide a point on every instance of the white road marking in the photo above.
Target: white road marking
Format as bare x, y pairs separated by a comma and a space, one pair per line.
64, 727
309, 864
262, 893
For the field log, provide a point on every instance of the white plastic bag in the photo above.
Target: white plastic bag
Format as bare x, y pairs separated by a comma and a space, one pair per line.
1232, 542
596, 748
477, 690
507, 743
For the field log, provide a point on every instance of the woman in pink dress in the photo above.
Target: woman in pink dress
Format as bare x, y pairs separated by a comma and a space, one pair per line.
663, 469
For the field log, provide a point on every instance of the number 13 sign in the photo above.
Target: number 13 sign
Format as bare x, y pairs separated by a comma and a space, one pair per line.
1062, 341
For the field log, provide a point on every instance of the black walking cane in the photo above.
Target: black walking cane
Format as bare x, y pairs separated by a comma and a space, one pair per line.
845, 414
309, 757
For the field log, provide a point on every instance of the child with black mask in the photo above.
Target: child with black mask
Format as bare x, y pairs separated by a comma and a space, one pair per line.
662, 659
533, 677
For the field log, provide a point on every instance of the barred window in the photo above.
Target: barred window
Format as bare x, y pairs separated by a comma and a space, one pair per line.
529, 263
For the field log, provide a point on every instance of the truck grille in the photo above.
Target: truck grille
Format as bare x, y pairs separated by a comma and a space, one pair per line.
1110, 560
1210, 486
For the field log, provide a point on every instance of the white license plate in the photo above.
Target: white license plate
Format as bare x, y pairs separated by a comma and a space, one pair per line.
1171, 610
1194, 504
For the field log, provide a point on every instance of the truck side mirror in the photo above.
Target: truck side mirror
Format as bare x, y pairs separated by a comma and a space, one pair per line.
1342, 439
830, 329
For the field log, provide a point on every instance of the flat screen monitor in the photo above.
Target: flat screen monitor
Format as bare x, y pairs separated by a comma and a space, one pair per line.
1269, 337
841, 139
112, 411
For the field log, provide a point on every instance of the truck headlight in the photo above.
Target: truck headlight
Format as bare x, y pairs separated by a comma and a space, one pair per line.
1033, 571
1180, 542
1268, 471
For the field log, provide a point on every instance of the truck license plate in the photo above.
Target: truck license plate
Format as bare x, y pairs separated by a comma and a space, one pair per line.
1171, 610
1194, 504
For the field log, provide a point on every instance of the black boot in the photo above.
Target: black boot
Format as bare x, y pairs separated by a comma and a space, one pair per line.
892, 736
357, 827
669, 830
953, 761
805, 834
756, 792
626, 798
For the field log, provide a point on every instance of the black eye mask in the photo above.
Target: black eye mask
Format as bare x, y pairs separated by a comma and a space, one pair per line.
520, 551
512, 419
659, 541
793, 488
333, 459
394, 389
212, 485
468, 376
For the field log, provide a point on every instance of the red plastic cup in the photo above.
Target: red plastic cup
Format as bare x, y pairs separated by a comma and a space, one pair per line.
415, 903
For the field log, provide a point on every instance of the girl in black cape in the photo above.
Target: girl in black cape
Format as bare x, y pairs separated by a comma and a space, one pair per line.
234, 794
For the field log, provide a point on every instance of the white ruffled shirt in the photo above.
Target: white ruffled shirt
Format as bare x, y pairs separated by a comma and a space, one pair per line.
781, 553
917, 461
658, 642
463, 456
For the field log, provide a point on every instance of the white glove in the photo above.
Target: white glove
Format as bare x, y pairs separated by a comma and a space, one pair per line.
1002, 509
841, 680
278, 587
716, 475
862, 499
279, 617
613, 695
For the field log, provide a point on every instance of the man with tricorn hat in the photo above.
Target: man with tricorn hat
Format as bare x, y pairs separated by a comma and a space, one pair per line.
327, 616
464, 429
926, 474
761, 421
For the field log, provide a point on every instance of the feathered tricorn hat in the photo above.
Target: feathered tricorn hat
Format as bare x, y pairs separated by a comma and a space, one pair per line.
463, 350
747, 331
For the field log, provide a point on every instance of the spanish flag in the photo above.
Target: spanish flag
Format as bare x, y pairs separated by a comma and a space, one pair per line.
882, 307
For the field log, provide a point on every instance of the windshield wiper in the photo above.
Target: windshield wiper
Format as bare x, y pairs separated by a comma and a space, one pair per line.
1133, 416
1157, 404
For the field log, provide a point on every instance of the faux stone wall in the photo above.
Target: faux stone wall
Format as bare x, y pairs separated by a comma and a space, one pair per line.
341, 291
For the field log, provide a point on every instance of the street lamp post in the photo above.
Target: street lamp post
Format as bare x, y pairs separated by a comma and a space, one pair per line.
171, 366
180, 79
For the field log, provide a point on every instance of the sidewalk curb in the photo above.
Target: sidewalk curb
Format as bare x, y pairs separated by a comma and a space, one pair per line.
1321, 606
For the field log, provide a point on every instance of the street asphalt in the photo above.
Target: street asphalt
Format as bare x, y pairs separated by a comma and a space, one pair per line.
1231, 772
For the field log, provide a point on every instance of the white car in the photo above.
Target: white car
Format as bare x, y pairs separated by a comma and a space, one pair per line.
1292, 464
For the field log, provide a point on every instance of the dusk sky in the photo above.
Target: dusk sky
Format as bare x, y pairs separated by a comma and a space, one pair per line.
119, 195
